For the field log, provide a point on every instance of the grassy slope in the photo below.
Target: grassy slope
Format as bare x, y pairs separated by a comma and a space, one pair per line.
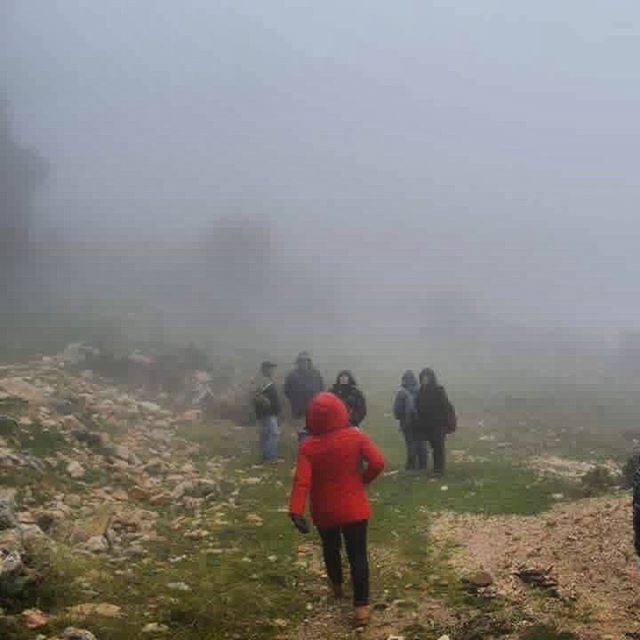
243, 577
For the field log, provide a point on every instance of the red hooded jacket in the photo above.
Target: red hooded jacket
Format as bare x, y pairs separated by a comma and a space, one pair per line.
328, 466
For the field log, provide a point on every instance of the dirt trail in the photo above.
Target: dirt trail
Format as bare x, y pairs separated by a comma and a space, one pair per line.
587, 544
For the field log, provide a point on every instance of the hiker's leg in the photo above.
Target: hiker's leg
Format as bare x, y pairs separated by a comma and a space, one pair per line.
411, 454
355, 537
264, 430
331, 553
271, 432
437, 444
421, 453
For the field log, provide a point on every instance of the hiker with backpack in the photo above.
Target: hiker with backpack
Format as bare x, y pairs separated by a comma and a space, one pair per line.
435, 417
346, 388
328, 472
404, 411
266, 405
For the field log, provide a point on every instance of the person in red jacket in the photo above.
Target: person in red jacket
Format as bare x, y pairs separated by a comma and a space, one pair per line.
328, 472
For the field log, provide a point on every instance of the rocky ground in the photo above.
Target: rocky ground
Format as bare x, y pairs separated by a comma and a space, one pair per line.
88, 466
575, 563
124, 516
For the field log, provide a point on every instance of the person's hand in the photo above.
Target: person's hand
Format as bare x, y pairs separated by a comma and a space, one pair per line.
299, 522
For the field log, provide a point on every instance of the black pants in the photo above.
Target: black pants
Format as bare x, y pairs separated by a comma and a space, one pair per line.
416, 451
355, 539
436, 440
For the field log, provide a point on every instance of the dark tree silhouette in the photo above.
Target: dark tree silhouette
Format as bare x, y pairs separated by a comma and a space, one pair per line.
21, 172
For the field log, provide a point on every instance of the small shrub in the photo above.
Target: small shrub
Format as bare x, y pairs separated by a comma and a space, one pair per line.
597, 480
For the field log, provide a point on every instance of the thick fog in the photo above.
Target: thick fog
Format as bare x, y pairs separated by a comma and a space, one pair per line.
455, 180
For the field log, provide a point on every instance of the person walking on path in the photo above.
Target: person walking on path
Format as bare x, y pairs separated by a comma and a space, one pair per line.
266, 404
435, 417
346, 388
328, 472
404, 411
301, 384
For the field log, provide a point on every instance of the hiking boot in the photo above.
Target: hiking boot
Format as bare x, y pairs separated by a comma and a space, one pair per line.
338, 591
361, 615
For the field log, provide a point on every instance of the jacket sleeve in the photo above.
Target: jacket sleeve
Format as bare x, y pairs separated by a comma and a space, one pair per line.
320, 383
360, 410
636, 510
444, 398
301, 484
374, 458
399, 408
288, 386
274, 400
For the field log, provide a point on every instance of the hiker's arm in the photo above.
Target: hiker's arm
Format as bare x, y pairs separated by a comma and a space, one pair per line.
374, 458
398, 406
301, 484
287, 386
272, 394
360, 410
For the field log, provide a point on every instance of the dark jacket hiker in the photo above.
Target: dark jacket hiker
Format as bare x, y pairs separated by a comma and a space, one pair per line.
302, 384
352, 397
435, 416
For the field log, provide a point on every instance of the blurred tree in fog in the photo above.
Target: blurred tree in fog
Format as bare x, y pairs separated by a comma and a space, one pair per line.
240, 258
21, 172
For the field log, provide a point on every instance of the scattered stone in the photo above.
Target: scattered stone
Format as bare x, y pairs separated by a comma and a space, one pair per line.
75, 469
71, 633
539, 577
8, 519
254, 519
91, 609
480, 580
97, 544
155, 627
21, 389
34, 618
10, 562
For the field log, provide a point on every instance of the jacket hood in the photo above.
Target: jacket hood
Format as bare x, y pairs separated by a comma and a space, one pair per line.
409, 379
346, 372
428, 377
326, 412
304, 356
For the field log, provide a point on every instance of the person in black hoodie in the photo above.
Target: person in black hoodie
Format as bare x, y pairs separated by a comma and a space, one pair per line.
346, 388
300, 386
435, 417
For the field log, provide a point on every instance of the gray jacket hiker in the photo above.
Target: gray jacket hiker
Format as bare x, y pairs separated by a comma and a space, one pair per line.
404, 411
